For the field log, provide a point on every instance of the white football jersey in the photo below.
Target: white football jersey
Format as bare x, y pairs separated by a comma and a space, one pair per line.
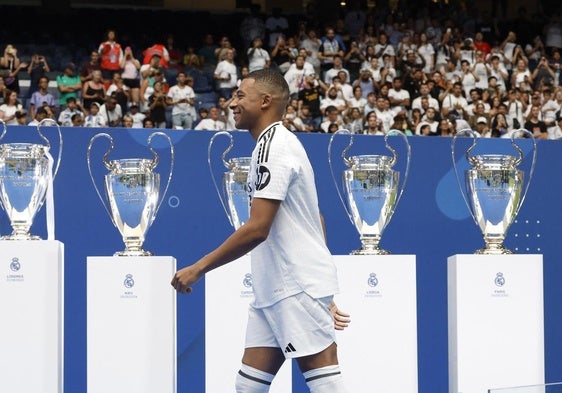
294, 257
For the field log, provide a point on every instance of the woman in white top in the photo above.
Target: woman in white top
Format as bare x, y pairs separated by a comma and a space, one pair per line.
426, 51
130, 74
521, 74
10, 107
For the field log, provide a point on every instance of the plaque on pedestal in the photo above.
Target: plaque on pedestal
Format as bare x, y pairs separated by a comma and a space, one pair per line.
496, 322
228, 292
32, 306
131, 325
378, 351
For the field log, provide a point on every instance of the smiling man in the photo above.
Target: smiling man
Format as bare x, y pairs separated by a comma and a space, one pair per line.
294, 277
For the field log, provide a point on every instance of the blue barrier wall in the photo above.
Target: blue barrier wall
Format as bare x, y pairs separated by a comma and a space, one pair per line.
431, 221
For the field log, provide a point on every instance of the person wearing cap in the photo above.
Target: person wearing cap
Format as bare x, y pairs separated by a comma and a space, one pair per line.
481, 126
112, 111
310, 95
136, 115
369, 80
72, 108
94, 119
68, 84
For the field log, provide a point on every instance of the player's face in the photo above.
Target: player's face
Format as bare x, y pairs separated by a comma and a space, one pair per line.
246, 105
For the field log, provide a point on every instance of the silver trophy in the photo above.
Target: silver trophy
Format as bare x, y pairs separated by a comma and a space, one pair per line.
132, 189
494, 190
372, 191
234, 195
26, 181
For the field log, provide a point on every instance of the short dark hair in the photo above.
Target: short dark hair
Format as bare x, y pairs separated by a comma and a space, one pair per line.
273, 80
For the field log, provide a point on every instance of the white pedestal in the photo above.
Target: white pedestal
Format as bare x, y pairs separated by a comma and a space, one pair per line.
378, 351
496, 322
228, 292
131, 325
31, 305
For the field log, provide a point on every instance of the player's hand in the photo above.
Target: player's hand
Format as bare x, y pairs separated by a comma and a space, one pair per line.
185, 278
341, 319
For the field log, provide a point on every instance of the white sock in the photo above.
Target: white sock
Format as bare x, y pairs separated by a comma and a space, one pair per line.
252, 380
325, 380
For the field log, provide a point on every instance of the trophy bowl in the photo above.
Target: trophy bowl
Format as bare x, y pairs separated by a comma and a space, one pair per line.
26, 181
371, 191
494, 191
132, 190
234, 194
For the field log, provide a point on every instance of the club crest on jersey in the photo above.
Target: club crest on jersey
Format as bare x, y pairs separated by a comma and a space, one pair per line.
264, 176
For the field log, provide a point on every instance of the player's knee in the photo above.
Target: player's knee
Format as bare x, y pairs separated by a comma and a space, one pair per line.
252, 380
325, 380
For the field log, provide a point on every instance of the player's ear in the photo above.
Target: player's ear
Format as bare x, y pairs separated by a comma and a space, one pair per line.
267, 100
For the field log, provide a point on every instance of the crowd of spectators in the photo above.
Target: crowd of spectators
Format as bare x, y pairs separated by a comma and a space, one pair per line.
426, 73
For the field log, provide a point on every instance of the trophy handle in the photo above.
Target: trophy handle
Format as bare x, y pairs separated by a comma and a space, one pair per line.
395, 158
520, 159
4, 129
346, 160
156, 159
225, 163
43, 123
105, 162
466, 131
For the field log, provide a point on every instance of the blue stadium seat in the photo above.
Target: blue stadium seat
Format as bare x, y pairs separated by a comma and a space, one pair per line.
201, 84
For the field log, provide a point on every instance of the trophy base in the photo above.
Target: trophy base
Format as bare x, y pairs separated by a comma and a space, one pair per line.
370, 251
493, 250
133, 253
18, 236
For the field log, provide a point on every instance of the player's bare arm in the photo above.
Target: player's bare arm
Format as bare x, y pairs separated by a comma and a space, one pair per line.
247, 237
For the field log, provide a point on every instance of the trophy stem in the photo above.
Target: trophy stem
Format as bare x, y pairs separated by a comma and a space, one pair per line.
494, 247
20, 232
133, 248
370, 246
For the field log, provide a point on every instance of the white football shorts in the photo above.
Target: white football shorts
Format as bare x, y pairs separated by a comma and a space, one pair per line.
299, 325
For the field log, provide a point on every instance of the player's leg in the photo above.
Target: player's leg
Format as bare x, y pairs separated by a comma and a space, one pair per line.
307, 333
321, 371
262, 358
259, 367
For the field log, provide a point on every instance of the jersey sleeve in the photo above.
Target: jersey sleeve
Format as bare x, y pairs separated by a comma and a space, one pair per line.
275, 170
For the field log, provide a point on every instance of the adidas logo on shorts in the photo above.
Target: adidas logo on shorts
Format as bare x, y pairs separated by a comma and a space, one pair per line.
289, 348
